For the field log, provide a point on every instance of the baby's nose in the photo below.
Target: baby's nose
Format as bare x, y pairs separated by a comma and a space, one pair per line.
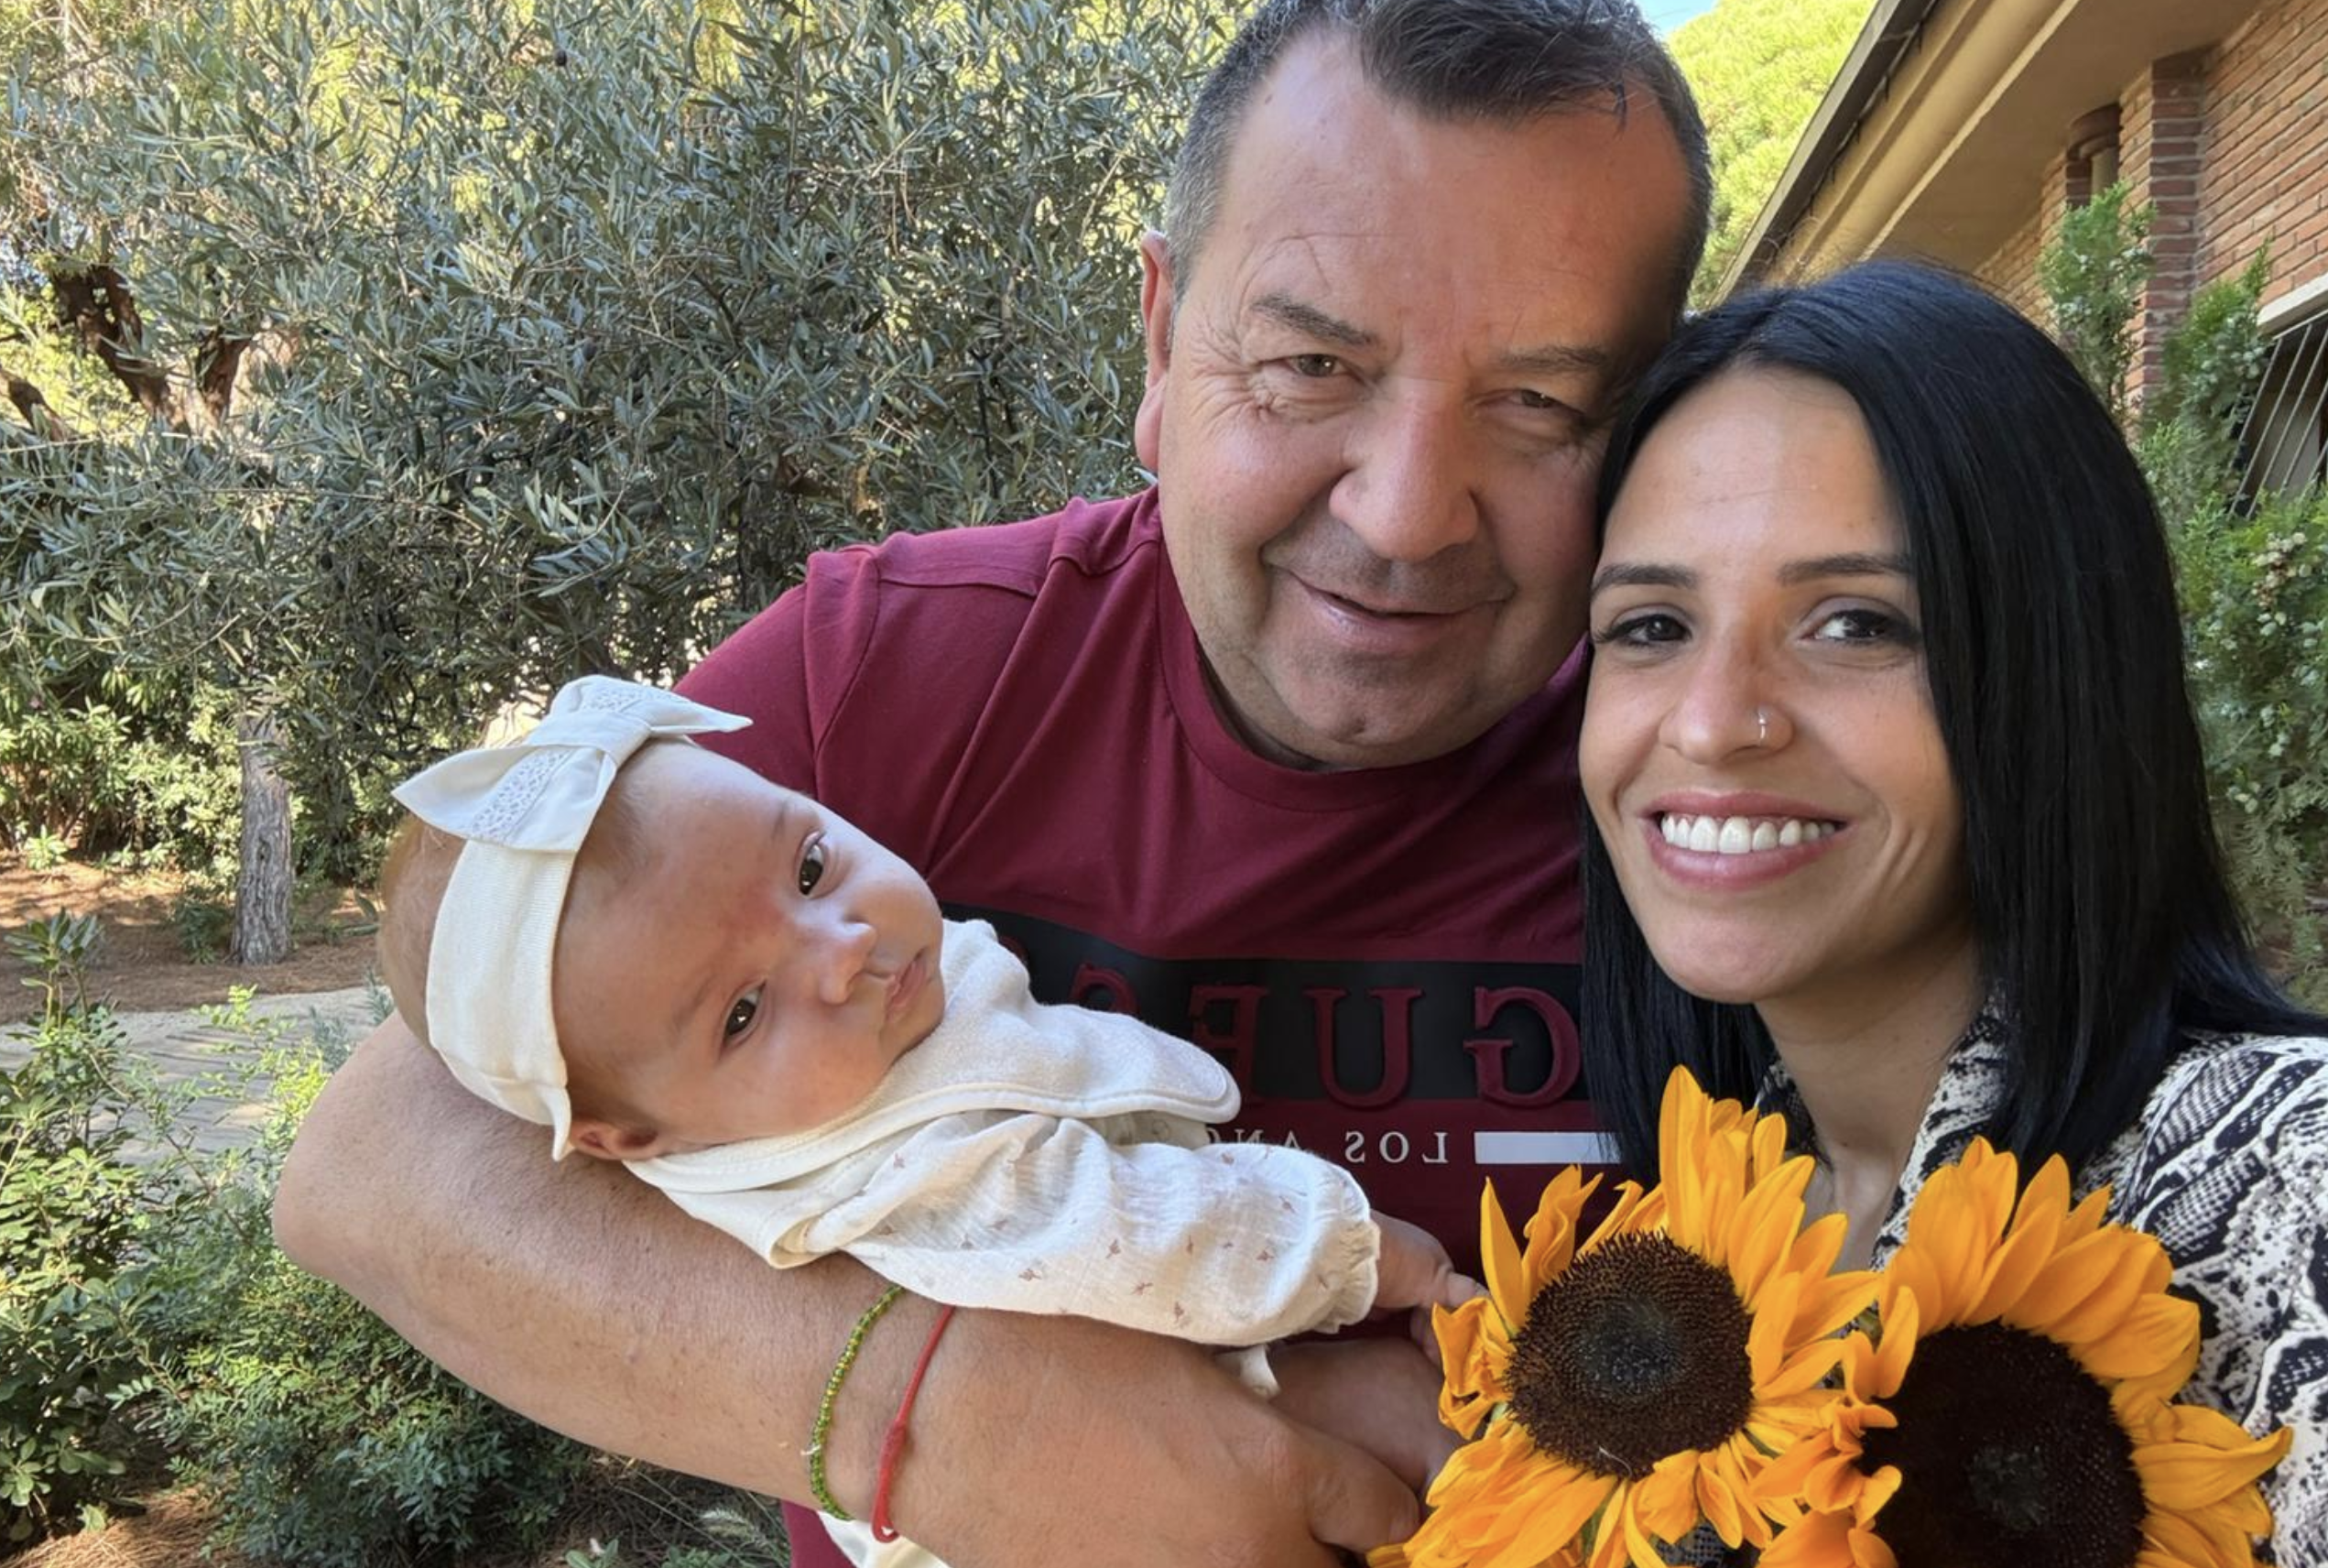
846, 954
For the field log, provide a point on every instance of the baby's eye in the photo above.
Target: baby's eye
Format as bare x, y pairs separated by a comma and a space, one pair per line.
740, 1016
812, 865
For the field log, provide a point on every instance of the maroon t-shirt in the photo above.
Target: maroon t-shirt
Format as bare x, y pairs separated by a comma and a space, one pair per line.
1384, 959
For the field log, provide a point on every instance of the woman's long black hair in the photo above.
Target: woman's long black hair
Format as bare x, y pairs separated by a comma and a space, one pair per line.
2054, 648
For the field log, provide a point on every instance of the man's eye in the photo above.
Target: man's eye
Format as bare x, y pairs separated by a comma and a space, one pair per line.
1531, 399
740, 1016
812, 867
1315, 367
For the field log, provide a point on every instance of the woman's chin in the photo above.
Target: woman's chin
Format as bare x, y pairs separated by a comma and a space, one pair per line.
1737, 982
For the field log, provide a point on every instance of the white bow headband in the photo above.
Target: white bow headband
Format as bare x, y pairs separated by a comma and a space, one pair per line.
525, 809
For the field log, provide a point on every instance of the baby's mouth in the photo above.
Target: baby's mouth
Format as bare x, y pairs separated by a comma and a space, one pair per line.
908, 984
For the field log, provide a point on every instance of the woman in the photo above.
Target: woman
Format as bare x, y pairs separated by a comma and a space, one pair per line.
1899, 821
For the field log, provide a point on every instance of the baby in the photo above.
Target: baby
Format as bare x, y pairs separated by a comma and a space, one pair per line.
673, 963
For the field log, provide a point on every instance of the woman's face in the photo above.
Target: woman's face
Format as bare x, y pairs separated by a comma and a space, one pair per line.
1759, 748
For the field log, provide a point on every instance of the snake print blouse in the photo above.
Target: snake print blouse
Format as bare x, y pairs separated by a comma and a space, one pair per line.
2227, 1166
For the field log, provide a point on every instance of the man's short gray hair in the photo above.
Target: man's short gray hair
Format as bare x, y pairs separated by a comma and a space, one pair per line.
1508, 60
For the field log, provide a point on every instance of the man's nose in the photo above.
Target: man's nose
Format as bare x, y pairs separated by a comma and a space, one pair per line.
1409, 491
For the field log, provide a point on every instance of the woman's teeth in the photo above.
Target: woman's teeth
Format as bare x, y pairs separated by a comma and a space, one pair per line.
1740, 835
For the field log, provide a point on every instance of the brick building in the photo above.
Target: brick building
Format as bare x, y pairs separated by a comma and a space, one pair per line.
1960, 130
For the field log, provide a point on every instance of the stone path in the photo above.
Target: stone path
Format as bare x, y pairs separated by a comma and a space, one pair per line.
184, 1046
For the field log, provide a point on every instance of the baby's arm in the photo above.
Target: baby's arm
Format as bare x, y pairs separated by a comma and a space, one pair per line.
1221, 1244
1414, 1271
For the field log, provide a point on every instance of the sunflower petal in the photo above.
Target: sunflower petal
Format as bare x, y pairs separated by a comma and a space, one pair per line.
2153, 1339
2211, 1458
1499, 1260
1818, 1541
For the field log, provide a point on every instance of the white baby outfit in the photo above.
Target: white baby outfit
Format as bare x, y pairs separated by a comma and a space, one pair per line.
1041, 1159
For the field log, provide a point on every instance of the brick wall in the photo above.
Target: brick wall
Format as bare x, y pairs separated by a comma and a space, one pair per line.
2230, 145
2162, 141
2266, 178
2012, 272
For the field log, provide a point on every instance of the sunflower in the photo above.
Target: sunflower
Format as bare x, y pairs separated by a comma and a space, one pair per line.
2019, 1407
1632, 1384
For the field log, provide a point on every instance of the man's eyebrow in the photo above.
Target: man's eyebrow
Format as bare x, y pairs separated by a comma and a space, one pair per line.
1558, 359
1311, 321
1628, 574
1868, 564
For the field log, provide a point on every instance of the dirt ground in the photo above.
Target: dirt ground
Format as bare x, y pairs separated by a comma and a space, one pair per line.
142, 965
621, 1514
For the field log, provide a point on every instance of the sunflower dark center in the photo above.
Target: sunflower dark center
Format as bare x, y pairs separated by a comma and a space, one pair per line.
2009, 1455
1639, 1351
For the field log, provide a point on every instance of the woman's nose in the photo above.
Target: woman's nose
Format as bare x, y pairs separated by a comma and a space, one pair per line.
1725, 709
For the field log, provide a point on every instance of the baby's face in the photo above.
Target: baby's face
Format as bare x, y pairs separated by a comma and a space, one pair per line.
760, 974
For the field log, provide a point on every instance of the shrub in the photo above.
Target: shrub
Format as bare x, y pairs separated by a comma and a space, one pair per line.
74, 1204
323, 1437
2093, 273
2252, 571
143, 779
2256, 591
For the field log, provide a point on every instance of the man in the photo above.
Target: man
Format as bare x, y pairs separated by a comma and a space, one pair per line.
1279, 755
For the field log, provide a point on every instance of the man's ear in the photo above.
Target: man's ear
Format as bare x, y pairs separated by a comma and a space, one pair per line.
1156, 316
604, 1139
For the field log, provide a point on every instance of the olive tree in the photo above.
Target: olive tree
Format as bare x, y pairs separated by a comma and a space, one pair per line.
457, 348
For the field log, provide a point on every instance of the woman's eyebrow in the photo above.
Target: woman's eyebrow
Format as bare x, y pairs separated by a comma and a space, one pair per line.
1853, 565
1643, 574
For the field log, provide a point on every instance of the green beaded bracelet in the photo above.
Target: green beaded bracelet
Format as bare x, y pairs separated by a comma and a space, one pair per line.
818, 1487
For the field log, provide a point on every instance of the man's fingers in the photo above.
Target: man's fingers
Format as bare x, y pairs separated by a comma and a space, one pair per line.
1355, 1501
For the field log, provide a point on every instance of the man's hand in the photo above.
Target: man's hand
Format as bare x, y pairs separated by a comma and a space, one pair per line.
1058, 1443
1380, 1395
580, 1296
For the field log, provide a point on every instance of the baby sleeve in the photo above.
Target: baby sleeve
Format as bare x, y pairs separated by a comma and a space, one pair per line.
1218, 1243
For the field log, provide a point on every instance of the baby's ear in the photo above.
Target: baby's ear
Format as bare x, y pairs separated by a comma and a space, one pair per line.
610, 1141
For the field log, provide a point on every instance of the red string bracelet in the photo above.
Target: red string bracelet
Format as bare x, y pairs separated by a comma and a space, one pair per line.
893, 1446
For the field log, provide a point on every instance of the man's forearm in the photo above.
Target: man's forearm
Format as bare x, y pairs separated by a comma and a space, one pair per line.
570, 1291
590, 1302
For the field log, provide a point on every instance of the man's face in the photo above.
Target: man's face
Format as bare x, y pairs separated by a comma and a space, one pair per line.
1376, 411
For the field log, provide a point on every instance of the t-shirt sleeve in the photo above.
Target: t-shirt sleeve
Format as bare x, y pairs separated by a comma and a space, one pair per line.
789, 668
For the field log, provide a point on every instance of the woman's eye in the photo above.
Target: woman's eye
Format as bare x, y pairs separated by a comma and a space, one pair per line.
740, 1016
1860, 626
1641, 631
812, 867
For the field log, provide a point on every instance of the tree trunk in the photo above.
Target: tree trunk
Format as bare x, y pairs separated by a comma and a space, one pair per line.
263, 884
